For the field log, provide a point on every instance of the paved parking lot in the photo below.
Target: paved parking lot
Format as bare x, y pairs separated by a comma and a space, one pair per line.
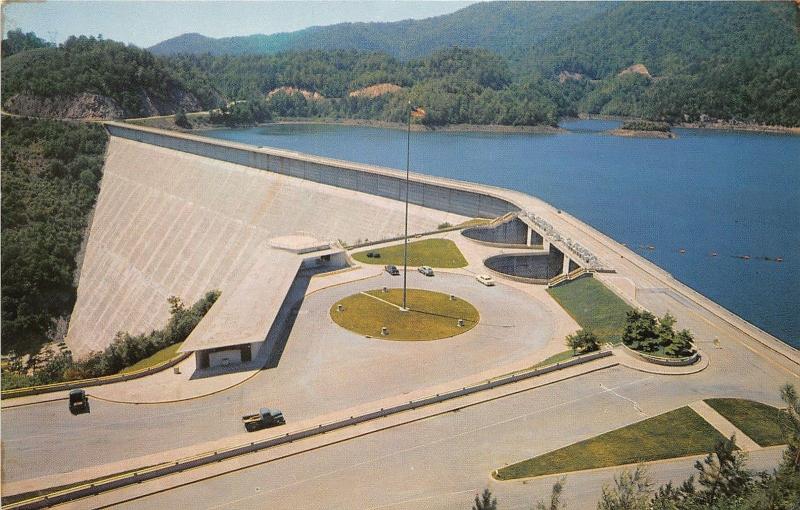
323, 369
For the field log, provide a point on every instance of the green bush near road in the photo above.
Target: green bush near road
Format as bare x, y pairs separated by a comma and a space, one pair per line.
673, 434
594, 307
429, 252
760, 422
125, 350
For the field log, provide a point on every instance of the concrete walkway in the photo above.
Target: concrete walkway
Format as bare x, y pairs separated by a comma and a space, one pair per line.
724, 427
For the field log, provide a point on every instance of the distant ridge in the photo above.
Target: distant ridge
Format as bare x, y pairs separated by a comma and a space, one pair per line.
497, 26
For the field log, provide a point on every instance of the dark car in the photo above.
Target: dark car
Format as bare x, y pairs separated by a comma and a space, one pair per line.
392, 270
78, 402
264, 418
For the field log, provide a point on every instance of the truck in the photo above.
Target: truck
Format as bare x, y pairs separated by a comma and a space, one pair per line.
263, 419
78, 402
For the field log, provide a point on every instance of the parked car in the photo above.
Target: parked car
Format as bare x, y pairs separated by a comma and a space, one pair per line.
78, 402
392, 270
426, 270
485, 279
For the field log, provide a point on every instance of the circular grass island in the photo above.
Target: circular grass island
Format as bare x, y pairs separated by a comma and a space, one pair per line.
430, 315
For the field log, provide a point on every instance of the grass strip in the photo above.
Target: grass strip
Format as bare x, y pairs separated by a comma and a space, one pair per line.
673, 434
760, 422
165, 354
594, 307
428, 252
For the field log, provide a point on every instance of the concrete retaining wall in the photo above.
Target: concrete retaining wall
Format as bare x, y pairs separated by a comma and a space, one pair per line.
332, 172
538, 267
667, 362
513, 232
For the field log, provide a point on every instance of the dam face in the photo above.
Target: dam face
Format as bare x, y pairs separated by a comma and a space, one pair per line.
169, 222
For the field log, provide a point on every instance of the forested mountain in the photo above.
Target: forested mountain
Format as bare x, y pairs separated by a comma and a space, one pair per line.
456, 85
89, 77
496, 26
733, 61
603, 37
50, 176
492, 63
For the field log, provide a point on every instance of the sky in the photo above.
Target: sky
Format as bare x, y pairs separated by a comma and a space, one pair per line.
145, 23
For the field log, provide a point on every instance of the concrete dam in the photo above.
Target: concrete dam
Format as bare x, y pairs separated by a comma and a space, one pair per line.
181, 215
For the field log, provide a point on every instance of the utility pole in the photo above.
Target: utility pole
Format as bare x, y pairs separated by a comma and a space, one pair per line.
405, 245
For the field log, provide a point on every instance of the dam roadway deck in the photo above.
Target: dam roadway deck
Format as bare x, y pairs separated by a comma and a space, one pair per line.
749, 364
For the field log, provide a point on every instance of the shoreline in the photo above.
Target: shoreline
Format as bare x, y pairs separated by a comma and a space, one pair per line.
638, 133
465, 128
716, 126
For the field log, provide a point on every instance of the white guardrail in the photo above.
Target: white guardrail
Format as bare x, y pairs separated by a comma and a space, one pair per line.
115, 482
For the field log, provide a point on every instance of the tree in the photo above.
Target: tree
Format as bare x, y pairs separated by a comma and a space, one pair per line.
181, 120
665, 330
555, 497
722, 473
583, 341
485, 501
631, 491
640, 330
791, 428
681, 345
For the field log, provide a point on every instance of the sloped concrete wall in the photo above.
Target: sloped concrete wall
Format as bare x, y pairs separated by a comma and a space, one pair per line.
173, 223
342, 174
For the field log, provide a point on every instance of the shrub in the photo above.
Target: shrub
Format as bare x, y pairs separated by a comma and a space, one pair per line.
125, 350
583, 341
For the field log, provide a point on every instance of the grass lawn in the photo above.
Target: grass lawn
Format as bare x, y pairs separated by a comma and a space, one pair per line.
674, 434
165, 354
762, 423
431, 316
594, 307
428, 252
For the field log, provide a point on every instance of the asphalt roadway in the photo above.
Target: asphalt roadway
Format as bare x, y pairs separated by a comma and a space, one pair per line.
441, 462
323, 369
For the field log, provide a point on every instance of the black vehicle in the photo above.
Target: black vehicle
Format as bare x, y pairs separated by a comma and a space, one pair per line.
78, 402
264, 418
392, 270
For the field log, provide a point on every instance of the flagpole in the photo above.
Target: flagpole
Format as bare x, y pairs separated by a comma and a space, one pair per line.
405, 245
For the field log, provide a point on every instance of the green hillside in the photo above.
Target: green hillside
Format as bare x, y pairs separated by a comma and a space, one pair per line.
50, 175
135, 81
496, 26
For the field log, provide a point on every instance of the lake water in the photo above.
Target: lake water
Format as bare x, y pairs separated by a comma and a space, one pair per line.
706, 191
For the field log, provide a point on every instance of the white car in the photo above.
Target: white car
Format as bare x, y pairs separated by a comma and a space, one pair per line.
485, 279
426, 270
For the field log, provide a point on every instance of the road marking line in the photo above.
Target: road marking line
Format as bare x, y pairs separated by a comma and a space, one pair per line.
635, 404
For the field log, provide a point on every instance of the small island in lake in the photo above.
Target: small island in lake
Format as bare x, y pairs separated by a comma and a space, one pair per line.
644, 129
